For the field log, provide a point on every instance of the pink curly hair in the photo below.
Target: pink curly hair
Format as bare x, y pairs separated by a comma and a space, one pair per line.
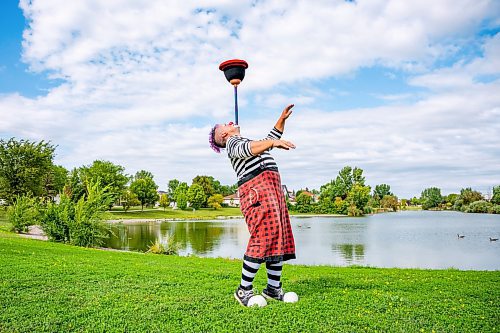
211, 140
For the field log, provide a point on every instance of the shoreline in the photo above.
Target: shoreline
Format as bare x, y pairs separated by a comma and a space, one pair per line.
202, 219
36, 232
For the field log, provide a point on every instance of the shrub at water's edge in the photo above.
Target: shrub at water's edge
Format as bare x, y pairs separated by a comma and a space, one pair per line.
56, 220
80, 223
88, 227
166, 246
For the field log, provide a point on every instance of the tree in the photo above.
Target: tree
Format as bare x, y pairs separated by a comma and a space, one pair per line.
304, 201
380, 191
341, 188
181, 200
143, 174
111, 176
208, 184
196, 196
75, 187
129, 199
228, 189
358, 197
415, 201
215, 201
389, 201
24, 168
466, 197
145, 189
164, 201
451, 198
404, 203
181, 193
172, 185
340, 206
431, 197
496, 195
55, 180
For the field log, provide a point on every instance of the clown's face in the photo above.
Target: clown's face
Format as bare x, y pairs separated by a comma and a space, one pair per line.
225, 131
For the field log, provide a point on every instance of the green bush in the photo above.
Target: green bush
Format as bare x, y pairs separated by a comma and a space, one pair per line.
23, 213
167, 246
87, 228
480, 206
352, 210
79, 223
495, 209
57, 219
368, 210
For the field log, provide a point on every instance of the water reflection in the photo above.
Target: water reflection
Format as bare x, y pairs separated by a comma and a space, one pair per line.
352, 254
193, 237
407, 239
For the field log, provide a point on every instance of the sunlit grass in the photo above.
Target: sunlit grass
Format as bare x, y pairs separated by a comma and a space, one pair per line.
51, 287
169, 213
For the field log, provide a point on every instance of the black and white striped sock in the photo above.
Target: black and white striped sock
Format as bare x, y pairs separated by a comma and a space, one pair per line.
274, 273
248, 273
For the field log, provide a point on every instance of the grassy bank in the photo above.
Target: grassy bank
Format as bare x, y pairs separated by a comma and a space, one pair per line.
169, 213
49, 287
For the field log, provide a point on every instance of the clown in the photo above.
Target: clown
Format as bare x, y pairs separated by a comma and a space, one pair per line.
262, 203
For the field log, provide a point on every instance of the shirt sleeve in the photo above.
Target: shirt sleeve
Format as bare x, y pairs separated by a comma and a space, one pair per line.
274, 134
237, 147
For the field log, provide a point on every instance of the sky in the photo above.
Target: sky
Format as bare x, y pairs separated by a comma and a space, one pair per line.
408, 91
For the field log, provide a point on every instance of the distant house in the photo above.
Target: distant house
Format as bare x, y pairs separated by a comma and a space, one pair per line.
232, 200
315, 198
288, 194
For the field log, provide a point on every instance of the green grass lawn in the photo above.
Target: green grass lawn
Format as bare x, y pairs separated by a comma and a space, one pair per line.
50, 287
169, 213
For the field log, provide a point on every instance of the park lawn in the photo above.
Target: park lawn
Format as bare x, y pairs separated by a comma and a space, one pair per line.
199, 214
169, 213
51, 287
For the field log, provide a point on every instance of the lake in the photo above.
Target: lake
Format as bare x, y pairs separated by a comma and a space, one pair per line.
409, 239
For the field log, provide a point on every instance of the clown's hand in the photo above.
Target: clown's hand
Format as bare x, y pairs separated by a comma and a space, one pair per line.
287, 112
283, 144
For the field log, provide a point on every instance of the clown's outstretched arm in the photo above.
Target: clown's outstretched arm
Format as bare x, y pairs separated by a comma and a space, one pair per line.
258, 147
280, 124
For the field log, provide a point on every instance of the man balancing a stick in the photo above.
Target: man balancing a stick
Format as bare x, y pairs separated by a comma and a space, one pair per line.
262, 203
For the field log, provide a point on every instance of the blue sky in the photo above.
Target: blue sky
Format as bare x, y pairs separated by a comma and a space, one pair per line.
15, 76
405, 91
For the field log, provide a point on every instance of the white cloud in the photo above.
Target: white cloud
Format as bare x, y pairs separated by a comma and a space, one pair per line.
141, 83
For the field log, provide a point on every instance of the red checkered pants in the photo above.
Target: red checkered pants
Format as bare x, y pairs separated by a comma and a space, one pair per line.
263, 204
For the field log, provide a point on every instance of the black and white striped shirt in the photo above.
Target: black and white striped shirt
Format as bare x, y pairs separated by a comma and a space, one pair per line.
242, 159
